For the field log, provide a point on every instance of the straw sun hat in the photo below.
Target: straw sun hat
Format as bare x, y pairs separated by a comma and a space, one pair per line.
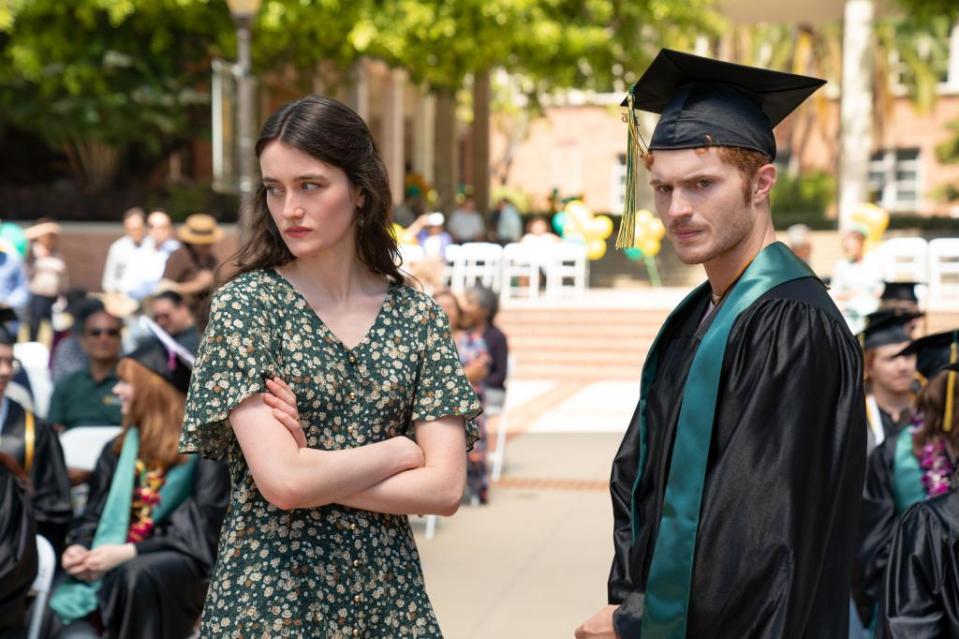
200, 228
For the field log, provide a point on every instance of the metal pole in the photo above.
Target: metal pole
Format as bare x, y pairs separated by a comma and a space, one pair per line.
245, 127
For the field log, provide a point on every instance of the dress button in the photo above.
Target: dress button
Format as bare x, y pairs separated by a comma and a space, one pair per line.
356, 632
356, 599
352, 395
356, 563
353, 527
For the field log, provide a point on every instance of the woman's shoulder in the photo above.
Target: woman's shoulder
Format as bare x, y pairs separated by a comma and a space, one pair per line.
255, 283
414, 303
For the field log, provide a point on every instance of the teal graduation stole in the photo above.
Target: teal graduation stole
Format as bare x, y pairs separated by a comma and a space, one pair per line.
907, 486
670, 573
75, 599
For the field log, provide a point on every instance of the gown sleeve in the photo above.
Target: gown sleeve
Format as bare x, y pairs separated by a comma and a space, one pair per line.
623, 476
234, 357
193, 529
921, 593
877, 522
52, 506
18, 553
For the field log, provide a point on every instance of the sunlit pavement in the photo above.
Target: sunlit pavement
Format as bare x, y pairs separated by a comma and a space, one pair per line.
533, 562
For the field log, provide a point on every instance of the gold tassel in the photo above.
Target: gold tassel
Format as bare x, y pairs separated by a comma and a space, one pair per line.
634, 152
950, 387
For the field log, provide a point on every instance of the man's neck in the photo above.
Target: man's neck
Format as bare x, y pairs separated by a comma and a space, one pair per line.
892, 403
723, 270
100, 370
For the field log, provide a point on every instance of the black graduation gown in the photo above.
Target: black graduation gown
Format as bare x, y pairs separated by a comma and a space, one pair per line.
877, 523
49, 480
921, 593
784, 477
159, 593
18, 554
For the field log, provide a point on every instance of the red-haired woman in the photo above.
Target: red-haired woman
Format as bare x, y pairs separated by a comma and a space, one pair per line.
140, 555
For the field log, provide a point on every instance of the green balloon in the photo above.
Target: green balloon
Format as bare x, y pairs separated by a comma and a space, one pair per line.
559, 222
634, 253
13, 234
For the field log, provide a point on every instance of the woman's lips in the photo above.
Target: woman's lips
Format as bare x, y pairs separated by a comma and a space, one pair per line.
298, 231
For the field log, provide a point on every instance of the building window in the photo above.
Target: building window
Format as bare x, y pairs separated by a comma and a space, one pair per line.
618, 190
894, 182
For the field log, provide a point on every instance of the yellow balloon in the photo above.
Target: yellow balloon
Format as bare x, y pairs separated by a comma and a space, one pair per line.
605, 226
874, 218
650, 247
595, 249
659, 230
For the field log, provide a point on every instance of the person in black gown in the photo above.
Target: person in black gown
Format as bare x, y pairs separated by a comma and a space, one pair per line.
921, 588
736, 487
916, 465
18, 548
139, 557
36, 448
890, 374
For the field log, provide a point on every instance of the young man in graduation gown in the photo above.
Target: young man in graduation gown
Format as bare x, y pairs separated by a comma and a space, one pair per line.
36, 448
890, 374
736, 487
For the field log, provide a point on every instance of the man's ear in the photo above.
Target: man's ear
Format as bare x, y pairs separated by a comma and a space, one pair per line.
764, 182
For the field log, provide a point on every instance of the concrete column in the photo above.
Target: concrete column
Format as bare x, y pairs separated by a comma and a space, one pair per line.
359, 94
481, 131
446, 166
855, 107
953, 77
392, 149
424, 138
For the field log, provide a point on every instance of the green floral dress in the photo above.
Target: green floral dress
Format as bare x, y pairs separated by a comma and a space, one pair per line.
330, 572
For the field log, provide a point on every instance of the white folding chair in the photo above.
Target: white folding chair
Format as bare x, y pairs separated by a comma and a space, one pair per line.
944, 270
905, 259
479, 263
454, 274
411, 253
521, 262
46, 567
35, 359
81, 449
495, 406
566, 261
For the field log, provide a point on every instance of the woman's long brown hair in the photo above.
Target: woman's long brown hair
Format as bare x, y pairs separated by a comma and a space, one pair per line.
334, 134
157, 411
931, 402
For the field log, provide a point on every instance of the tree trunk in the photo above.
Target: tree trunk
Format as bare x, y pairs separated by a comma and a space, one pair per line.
446, 157
481, 131
856, 112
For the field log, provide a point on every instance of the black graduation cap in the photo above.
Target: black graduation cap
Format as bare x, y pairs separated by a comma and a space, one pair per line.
165, 357
706, 102
886, 327
933, 352
900, 292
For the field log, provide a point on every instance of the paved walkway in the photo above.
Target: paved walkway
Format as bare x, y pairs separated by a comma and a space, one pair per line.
533, 563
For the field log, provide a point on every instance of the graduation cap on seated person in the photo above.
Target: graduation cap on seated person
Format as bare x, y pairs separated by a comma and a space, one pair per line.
899, 292
164, 357
886, 327
7, 315
936, 353
705, 102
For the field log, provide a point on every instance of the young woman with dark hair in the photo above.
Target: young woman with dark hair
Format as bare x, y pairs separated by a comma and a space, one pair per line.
334, 392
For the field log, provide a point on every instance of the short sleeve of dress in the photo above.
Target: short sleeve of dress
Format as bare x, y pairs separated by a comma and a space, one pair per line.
234, 357
441, 385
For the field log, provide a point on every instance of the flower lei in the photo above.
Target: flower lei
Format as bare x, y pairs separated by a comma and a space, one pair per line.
145, 497
937, 468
